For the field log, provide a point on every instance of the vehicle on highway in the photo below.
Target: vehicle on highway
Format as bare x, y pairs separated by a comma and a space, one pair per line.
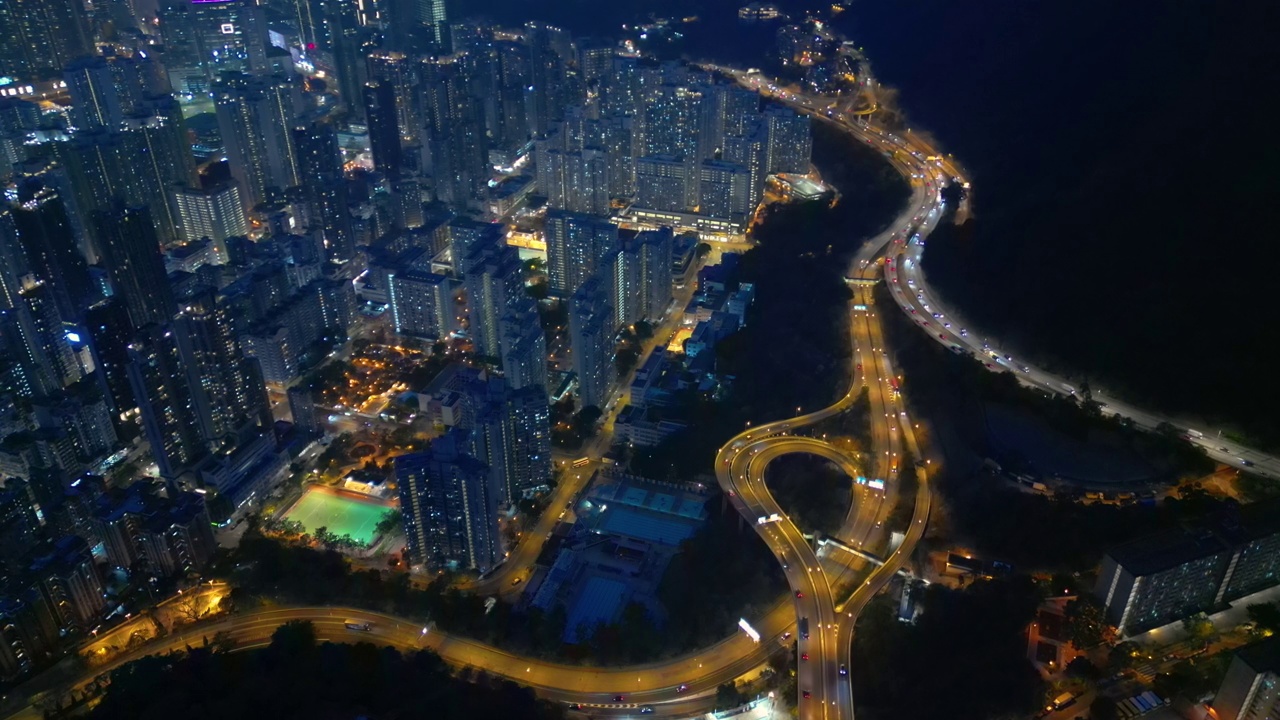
799, 594
619, 698
804, 656
786, 636
807, 695
682, 688
358, 625
804, 628
647, 709
844, 670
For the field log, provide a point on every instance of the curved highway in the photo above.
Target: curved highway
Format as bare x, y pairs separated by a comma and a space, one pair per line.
929, 171
819, 580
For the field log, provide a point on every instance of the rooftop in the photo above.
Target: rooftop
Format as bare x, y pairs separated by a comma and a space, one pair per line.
1166, 550
1263, 656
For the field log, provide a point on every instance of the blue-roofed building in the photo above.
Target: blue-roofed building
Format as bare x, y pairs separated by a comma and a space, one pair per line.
599, 600
628, 529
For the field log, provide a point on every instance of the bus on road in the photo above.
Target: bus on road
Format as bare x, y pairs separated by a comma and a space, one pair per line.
358, 625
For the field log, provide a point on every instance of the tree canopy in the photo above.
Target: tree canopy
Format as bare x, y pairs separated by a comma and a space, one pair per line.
297, 677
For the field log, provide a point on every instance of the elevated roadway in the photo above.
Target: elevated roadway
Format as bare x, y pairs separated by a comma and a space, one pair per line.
929, 171
687, 684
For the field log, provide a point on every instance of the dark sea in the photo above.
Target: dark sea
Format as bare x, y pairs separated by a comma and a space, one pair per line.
1126, 167
1126, 174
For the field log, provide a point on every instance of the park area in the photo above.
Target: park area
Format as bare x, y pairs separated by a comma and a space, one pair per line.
341, 513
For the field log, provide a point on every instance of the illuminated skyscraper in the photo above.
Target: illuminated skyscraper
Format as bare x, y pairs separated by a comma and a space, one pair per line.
131, 253
254, 117
662, 183
163, 396
320, 175
40, 37
203, 38
494, 289
139, 164
384, 128
422, 304
226, 388
344, 39
550, 88
649, 252
571, 176
216, 213
591, 332
42, 230
400, 72
725, 191
455, 137
790, 141
450, 509
577, 245
105, 90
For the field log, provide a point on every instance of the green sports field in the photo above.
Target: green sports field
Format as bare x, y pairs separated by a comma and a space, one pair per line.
341, 514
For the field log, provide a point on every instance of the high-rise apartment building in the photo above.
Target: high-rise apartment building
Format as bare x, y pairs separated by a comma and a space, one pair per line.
138, 164
492, 278
725, 191
226, 387
455, 137
640, 273
302, 408
531, 422
207, 37
28, 632
790, 141
550, 88
524, 352
750, 150
47, 246
577, 246
422, 304
108, 333
466, 235
215, 212
450, 511
591, 332
319, 166
400, 72
663, 183
343, 43
131, 253
33, 333
41, 37
67, 577
383, 113
163, 396
571, 176
254, 116
106, 90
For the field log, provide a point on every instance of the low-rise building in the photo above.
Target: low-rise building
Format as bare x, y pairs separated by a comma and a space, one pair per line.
1251, 688
628, 529
1163, 578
